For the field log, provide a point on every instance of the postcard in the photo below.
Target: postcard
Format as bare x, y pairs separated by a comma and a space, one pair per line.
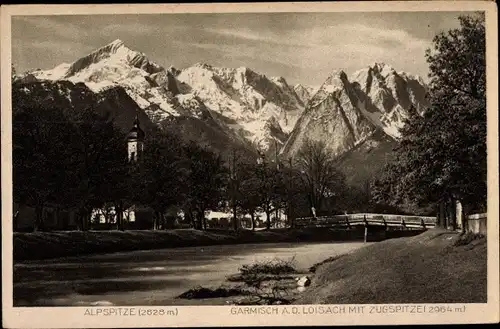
249, 164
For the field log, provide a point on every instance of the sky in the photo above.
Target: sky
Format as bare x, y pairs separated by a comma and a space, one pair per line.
301, 47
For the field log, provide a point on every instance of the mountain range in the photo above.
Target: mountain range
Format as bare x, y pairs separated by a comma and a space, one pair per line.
354, 115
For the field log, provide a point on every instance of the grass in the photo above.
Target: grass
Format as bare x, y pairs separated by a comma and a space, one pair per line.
313, 268
435, 267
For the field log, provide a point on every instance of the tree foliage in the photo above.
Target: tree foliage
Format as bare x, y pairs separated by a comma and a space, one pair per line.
162, 175
40, 158
441, 156
206, 183
321, 178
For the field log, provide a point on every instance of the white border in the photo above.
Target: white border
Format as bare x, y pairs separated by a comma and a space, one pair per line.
69, 317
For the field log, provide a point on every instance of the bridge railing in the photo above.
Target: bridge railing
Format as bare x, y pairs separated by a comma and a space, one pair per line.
348, 220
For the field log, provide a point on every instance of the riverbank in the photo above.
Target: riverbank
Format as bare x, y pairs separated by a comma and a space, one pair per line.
434, 267
46, 245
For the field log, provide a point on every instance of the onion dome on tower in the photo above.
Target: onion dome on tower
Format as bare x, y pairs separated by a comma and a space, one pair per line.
136, 132
135, 140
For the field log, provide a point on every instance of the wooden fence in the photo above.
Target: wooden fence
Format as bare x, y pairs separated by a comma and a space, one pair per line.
366, 219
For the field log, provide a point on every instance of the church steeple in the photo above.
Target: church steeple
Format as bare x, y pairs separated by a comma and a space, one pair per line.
135, 140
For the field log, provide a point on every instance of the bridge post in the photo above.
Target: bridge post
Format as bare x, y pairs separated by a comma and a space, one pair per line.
366, 228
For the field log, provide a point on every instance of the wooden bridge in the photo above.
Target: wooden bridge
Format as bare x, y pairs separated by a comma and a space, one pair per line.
382, 220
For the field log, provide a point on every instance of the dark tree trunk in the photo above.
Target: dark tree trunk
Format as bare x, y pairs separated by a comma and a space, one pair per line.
453, 213
441, 215
169, 222
15, 221
163, 221
79, 220
252, 215
57, 218
191, 218
156, 218
38, 222
235, 218
83, 219
445, 214
465, 221
204, 221
88, 219
268, 219
119, 215
200, 220
65, 220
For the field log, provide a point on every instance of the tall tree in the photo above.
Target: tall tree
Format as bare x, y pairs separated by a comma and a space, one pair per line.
41, 156
118, 186
319, 171
162, 174
293, 191
236, 183
441, 157
207, 182
96, 152
13, 72
249, 190
270, 189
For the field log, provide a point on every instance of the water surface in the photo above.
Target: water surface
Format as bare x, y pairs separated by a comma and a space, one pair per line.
151, 277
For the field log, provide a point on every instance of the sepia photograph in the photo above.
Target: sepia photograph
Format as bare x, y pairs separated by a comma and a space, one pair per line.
249, 159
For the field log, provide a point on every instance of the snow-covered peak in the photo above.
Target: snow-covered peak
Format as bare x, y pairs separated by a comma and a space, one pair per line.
335, 81
114, 53
382, 67
175, 72
243, 69
345, 111
111, 47
116, 43
56, 73
390, 95
203, 66
305, 92
279, 80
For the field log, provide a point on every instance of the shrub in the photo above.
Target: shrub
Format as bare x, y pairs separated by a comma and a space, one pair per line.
467, 238
202, 292
276, 267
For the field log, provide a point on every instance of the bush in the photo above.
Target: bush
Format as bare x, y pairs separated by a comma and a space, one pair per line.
201, 292
276, 267
467, 238
261, 277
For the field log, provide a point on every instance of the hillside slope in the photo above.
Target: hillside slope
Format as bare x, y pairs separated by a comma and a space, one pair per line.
427, 268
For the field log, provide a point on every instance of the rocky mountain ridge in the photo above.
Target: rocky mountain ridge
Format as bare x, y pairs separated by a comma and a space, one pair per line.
245, 102
238, 107
345, 112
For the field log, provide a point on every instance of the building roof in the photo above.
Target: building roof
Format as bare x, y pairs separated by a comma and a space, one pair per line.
136, 133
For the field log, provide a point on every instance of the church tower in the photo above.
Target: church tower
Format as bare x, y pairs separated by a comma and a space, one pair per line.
135, 141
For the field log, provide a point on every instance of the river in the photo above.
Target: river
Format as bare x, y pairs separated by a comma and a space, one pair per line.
151, 277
